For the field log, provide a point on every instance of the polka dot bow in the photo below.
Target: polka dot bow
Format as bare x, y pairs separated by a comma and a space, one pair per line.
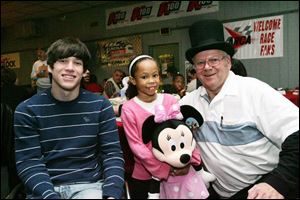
161, 114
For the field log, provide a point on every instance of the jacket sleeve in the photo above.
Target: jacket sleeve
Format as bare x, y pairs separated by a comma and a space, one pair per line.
285, 177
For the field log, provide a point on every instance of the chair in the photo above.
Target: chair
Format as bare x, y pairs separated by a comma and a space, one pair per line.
8, 152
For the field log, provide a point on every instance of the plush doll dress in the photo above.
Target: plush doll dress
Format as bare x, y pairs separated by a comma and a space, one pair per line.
190, 186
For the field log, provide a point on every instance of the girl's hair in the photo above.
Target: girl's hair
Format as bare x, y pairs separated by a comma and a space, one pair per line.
132, 90
67, 47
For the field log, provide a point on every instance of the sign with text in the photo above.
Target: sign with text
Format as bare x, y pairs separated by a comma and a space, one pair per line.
118, 52
11, 60
156, 11
256, 38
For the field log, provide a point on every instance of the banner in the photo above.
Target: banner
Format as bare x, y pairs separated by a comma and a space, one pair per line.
11, 60
118, 52
156, 11
256, 38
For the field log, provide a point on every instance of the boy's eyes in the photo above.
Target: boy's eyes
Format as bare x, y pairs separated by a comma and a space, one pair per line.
61, 60
76, 62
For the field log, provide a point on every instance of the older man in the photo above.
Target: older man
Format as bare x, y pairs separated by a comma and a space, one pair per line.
250, 136
114, 85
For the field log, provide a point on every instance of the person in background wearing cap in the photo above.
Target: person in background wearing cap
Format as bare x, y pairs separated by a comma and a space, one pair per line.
250, 136
66, 138
171, 72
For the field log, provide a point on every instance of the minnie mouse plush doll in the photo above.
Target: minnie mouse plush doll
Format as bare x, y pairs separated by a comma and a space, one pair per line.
171, 134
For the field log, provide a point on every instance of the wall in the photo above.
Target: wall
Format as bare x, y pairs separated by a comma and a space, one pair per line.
278, 72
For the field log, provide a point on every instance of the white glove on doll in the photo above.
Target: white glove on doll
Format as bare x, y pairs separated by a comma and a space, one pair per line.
153, 195
207, 177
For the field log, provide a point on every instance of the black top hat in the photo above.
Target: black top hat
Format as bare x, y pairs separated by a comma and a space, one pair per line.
205, 35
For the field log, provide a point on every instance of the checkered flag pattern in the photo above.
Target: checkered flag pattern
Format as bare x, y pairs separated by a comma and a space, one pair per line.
246, 31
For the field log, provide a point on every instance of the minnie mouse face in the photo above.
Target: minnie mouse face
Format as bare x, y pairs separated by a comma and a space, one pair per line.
172, 139
176, 146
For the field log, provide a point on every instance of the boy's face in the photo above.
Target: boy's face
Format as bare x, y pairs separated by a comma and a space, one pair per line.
67, 73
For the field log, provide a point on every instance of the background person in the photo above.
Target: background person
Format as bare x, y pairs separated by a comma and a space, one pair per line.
177, 86
40, 79
67, 143
11, 93
113, 85
194, 82
238, 67
90, 82
171, 72
86, 78
250, 136
93, 85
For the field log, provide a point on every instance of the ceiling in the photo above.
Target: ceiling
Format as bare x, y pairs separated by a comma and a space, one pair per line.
13, 12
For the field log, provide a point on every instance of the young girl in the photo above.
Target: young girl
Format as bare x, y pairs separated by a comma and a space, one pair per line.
143, 96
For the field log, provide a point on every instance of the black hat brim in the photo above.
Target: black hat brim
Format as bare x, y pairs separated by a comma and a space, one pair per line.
224, 46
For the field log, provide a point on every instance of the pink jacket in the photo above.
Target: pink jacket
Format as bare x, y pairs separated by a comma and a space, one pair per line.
146, 165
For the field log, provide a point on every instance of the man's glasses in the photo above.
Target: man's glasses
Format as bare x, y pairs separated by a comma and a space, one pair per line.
213, 61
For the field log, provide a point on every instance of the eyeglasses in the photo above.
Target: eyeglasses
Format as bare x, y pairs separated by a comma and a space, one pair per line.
213, 61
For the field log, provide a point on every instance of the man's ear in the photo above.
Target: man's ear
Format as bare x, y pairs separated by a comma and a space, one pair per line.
148, 129
190, 112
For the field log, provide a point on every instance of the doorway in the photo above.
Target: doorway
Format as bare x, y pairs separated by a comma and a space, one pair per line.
167, 56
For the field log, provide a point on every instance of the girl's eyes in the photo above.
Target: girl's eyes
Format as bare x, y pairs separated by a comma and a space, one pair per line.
154, 76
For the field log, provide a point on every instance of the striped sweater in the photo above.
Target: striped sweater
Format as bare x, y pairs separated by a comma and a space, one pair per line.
65, 142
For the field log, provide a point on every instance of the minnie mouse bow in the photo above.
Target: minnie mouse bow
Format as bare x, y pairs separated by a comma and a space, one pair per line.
161, 114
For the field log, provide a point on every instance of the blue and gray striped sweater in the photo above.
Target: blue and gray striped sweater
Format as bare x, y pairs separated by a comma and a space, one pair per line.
65, 142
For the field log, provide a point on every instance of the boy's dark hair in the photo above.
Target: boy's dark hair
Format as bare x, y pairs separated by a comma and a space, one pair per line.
67, 47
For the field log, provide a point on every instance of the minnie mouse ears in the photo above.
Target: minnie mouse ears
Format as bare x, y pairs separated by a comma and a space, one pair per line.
191, 116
